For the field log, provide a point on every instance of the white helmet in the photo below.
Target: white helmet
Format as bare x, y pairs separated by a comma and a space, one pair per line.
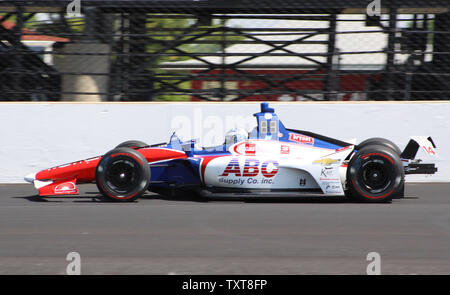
235, 135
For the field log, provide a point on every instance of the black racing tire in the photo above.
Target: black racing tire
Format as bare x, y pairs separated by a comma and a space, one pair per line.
401, 193
375, 174
379, 141
123, 175
134, 144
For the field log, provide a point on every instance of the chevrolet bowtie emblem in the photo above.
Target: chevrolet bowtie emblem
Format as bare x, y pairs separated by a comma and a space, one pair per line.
326, 161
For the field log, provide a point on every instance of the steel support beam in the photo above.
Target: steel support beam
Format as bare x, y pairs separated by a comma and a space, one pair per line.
330, 79
390, 66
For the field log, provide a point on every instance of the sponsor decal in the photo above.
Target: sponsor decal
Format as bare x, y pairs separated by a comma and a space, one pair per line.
273, 170
333, 188
250, 148
327, 172
326, 161
232, 168
301, 138
284, 149
251, 172
65, 188
251, 168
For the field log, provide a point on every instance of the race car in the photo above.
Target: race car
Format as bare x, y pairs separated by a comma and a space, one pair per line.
269, 161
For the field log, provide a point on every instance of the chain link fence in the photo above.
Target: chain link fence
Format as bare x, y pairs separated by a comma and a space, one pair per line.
224, 50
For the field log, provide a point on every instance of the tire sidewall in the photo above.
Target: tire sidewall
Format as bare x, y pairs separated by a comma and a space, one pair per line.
142, 167
390, 159
134, 144
379, 141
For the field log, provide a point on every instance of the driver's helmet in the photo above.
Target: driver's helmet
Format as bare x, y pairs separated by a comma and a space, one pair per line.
235, 135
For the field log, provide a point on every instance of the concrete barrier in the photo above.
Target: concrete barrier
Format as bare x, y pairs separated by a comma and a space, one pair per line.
35, 136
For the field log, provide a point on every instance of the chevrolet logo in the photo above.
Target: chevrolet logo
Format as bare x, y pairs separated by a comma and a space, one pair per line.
326, 161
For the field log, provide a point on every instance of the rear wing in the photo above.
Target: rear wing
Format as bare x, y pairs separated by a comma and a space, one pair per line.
413, 165
413, 145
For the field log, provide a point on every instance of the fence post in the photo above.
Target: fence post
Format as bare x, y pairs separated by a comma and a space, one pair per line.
330, 79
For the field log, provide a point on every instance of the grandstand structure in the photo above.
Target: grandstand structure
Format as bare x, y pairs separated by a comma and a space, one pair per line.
214, 50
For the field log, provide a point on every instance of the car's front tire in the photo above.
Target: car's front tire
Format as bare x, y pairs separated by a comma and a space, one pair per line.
134, 144
122, 174
375, 174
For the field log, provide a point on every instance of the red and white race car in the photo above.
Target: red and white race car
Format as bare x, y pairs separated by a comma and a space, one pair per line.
272, 160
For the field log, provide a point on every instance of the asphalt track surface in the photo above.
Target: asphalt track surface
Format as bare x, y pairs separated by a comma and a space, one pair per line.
160, 235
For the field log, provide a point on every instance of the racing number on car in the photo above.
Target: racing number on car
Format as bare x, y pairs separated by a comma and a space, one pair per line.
429, 150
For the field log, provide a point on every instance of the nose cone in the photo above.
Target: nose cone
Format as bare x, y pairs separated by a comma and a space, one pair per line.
30, 177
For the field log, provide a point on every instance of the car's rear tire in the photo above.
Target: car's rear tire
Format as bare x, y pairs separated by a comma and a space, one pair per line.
379, 141
134, 144
123, 175
375, 174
